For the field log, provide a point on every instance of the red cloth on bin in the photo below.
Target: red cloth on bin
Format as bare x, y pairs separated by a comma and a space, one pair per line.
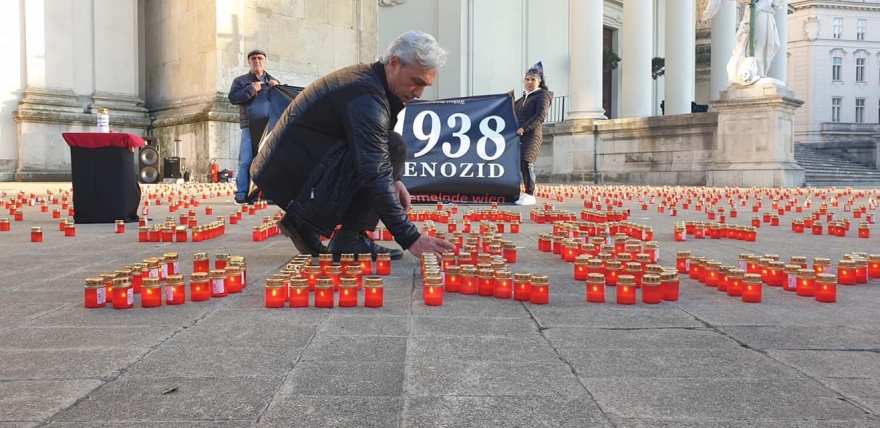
94, 140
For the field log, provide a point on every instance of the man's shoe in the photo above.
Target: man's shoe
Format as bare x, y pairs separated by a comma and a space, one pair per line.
242, 201
526, 199
349, 242
306, 242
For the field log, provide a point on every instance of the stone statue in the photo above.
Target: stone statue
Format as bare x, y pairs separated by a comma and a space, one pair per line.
757, 40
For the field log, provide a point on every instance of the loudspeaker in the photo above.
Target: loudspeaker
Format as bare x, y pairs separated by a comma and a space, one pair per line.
174, 167
148, 161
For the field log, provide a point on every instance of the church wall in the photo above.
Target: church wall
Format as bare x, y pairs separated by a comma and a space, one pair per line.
11, 84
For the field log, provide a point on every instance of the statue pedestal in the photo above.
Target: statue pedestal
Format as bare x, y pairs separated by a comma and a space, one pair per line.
754, 139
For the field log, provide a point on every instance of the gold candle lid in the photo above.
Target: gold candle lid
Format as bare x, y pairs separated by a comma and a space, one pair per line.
596, 278
373, 281
150, 282
299, 283
626, 280
347, 282
540, 279
94, 282
176, 279
198, 276
274, 282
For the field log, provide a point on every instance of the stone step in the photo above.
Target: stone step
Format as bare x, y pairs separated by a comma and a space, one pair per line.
825, 170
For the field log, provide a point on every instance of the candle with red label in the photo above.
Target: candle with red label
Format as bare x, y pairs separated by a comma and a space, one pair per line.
485, 282
175, 290
826, 288
433, 291
374, 292
276, 293
595, 288
652, 291
151, 293
683, 261
669, 285
626, 290
806, 283
522, 286
36, 234
201, 263
95, 293
218, 282
752, 288
469, 280
540, 292
120, 226
846, 272
220, 261
324, 293
299, 293
199, 287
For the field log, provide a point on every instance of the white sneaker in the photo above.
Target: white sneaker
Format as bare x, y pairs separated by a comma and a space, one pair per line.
526, 199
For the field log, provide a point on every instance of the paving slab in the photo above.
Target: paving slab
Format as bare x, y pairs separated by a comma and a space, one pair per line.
20, 397
472, 326
362, 324
639, 338
478, 412
492, 378
849, 364
332, 411
57, 363
802, 337
83, 337
352, 378
525, 349
345, 349
611, 315
751, 423
216, 362
674, 363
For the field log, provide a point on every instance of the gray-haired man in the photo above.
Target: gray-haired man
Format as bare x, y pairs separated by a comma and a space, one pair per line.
329, 162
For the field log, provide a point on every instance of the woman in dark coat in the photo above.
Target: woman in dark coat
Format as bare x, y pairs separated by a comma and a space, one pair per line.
531, 110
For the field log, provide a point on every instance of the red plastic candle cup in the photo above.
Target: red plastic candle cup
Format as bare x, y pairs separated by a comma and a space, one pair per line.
120, 226
201, 263
752, 288
522, 287
299, 293
151, 293
509, 252
652, 290
233, 279
790, 280
682, 261
70, 230
218, 283
826, 288
669, 285
806, 283
433, 291
220, 261
626, 290
485, 282
596, 288
36, 234
4, 225
374, 292
324, 293
199, 287
469, 281
123, 295
95, 293
540, 293
276, 292
348, 293
580, 268
383, 264
846, 272
181, 234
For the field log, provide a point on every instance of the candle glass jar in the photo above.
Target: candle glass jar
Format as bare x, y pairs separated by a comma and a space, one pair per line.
175, 290
822, 265
383, 264
469, 280
683, 261
433, 291
123, 296
651, 289
734, 282
503, 284
95, 293
846, 272
596, 288
218, 282
669, 285
540, 292
373, 292
861, 270
151, 293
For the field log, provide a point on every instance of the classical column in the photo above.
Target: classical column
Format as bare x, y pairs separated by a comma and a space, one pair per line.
680, 56
722, 43
779, 67
585, 101
638, 30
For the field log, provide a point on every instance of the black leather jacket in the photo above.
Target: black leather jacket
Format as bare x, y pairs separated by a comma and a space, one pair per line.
330, 144
243, 95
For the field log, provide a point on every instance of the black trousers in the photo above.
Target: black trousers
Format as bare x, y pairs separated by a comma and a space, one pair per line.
528, 174
361, 215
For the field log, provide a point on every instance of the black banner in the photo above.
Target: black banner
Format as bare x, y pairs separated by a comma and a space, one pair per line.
461, 150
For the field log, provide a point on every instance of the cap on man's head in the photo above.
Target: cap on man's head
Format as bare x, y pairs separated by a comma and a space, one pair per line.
255, 52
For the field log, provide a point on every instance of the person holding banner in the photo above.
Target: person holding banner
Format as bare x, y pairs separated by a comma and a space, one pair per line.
247, 93
531, 110
333, 159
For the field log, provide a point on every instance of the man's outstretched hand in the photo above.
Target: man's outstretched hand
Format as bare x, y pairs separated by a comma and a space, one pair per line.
427, 244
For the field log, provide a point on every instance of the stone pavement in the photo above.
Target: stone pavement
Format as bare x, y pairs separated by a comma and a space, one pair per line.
708, 360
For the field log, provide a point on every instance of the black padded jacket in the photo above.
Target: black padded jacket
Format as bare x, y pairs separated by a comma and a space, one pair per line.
331, 143
245, 96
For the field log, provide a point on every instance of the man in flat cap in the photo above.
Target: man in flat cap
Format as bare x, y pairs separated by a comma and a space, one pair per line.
246, 92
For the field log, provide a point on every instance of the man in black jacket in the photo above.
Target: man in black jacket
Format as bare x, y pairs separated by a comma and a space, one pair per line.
247, 92
333, 159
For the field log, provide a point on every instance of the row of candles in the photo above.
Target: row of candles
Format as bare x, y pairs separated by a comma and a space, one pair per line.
484, 279
702, 230
330, 284
159, 279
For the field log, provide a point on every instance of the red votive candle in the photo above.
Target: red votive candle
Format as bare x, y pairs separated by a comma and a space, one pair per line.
299, 293
846, 272
626, 290
220, 261
683, 261
36, 234
199, 289
452, 279
201, 263
275, 293
469, 280
806, 283
486, 282
95, 293
433, 291
218, 283
120, 226
669, 285
233, 279
522, 286
595, 288
752, 288
70, 230
365, 260
540, 293
826, 289
181, 234
503, 284
383, 264
324, 293
123, 295
348, 293
374, 292
652, 290
175, 290
151, 293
